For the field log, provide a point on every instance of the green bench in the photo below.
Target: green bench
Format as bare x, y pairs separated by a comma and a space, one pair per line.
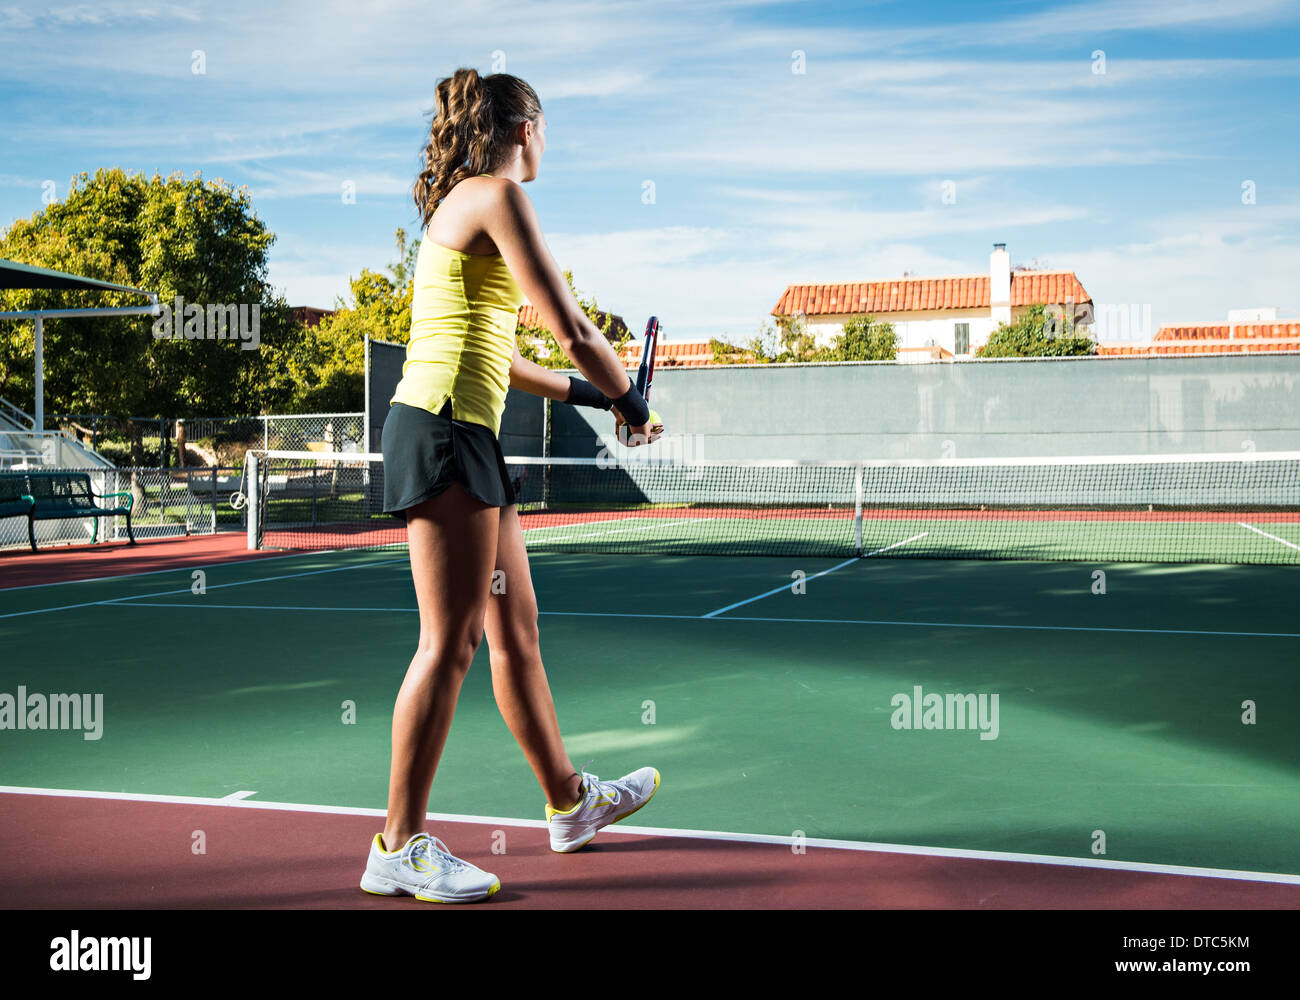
44, 496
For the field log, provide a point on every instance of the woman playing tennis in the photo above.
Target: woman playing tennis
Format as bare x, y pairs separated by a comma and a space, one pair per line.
482, 254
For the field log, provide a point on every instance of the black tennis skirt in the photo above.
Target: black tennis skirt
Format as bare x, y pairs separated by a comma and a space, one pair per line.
424, 453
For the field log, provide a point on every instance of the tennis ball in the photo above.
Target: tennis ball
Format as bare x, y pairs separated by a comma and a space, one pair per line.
625, 432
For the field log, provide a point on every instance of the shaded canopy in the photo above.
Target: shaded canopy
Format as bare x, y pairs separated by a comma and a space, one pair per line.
15, 275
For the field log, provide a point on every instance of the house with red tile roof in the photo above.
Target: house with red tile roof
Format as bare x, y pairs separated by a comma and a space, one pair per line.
938, 318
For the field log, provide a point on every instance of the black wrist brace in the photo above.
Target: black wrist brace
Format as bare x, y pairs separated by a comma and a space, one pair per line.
633, 407
585, 394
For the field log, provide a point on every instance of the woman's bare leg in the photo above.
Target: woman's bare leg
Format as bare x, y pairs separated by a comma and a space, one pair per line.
518, 679
453, 541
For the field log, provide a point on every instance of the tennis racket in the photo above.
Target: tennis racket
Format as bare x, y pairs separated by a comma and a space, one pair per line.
646, 373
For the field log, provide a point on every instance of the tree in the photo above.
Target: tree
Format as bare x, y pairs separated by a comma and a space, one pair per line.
786, 341
1036, 335
330, 370
182, 237
861, 339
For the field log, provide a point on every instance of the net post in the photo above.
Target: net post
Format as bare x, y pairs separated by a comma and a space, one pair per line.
546, 453
251, 499
365, 430
857, 510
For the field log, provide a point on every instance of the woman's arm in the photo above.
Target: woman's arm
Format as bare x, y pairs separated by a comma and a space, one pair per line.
511, 222
527, 376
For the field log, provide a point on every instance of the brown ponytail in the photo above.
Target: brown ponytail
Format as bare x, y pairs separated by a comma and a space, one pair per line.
474, 118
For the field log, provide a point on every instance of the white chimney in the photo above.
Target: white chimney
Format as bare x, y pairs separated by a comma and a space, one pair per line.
1000, 284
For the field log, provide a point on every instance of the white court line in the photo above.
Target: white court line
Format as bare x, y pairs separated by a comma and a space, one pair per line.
655, 522
200, 603
1251, 527
581, 524
905, 541
776, 590
69, 607
119, 601
1028, 628
236, 796
651, 831
786, 586
127, 603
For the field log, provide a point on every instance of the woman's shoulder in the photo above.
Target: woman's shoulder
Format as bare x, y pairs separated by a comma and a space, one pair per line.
461, 221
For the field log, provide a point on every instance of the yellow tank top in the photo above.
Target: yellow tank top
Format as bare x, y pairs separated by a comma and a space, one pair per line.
464, 311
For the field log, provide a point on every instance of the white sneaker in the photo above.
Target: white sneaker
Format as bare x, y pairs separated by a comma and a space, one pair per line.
425, 869
602, 803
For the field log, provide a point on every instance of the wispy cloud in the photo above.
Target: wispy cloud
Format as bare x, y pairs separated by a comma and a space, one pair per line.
32, 17
1087, 24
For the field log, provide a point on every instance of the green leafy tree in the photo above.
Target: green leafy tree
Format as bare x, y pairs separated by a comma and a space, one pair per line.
790, 341
727, 353
182, 237
1036, 334
329, 371
863, 338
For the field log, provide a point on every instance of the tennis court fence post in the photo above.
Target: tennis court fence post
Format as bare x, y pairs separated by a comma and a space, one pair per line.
251, 500
857, 510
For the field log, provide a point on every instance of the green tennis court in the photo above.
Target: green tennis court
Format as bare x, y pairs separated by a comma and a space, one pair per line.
1151, 723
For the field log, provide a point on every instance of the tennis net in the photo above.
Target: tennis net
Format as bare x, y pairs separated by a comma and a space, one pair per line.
1224, 508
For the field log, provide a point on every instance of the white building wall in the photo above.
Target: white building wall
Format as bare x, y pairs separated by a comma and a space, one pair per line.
919, 329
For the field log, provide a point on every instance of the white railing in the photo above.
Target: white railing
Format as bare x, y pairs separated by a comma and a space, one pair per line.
47, 449
20, 419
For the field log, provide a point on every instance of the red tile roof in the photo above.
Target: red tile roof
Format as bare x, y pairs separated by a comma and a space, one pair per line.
1230, 331
914, 294
671, 355
1213, 338
1197, 347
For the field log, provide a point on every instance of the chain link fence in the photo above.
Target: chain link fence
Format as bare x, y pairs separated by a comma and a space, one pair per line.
165, 503
121, 440
169, 442
181, 473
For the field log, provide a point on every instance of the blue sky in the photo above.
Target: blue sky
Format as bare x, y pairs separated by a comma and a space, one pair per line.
1132, 178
